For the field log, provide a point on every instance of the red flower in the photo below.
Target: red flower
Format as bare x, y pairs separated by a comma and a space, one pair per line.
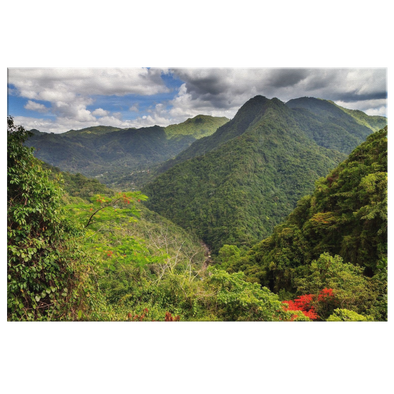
325, 294
302, 304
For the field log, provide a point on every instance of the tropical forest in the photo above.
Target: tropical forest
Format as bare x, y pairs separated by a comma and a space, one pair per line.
277, 214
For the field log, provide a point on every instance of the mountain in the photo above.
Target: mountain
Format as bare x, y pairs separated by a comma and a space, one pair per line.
345, 215
235, 186
109, 153
198, 127
332, 126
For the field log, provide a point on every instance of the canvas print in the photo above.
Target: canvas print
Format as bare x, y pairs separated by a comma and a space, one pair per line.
197, 194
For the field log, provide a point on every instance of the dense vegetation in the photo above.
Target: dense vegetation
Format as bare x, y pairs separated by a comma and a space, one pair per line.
238, 192
46, 277
95, 261
332, 126
335, 238
115, 156
78, 250
236, 185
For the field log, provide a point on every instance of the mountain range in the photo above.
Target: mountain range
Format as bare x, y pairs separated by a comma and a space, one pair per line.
229, 182
235, 186
287, 202
108, 152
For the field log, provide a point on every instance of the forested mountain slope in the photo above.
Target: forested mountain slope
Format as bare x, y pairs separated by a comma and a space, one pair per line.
236, 185
332, 126
345, 216
197, 127
109, 152
328, 124
156, 232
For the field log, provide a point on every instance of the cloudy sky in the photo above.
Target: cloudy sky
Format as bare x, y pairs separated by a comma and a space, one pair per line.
59, 99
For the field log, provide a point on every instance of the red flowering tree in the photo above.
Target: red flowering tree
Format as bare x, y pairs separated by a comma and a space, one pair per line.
311, 305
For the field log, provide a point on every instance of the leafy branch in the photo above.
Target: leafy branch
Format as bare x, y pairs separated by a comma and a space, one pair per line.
105, 202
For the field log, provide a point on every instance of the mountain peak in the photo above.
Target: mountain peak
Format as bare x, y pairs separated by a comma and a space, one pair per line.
260, 103
197, 127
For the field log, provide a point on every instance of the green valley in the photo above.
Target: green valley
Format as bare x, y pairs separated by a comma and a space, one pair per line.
109, 153
279, 214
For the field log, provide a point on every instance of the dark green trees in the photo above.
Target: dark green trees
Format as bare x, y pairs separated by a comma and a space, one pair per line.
46, 279
346, 216
235, 186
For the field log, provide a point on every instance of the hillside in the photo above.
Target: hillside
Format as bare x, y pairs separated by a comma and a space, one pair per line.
197, 127
235, 186
326, 123
109, 153
346, 216
107, 257
332, 126
151, 229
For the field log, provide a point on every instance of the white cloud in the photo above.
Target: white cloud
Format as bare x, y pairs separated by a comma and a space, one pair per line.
159, 115
100, 112
115, 121
370, 107
48, 125
33, 106
62, 83
70, 90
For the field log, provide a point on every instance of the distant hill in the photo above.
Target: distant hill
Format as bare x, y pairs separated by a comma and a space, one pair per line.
332, 126
94, 130
235, 186
109, 152
197, 127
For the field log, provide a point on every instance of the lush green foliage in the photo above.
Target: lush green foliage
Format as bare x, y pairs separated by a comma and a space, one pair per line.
151, 272
346, 315
46, 279
85, 252
332, 126
254, 170
346, 216
140, 272
351, 289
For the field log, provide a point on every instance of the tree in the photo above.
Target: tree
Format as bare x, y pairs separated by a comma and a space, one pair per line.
46, 280
234, 299
346, 315
309, 304
351, 289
